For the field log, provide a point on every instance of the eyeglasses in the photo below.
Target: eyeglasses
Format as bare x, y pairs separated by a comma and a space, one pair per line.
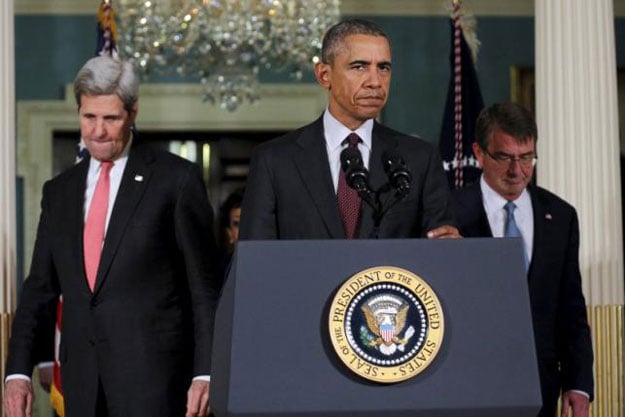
526, 160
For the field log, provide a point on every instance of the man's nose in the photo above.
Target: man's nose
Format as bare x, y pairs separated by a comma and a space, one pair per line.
514, 166
99, 128
373, 78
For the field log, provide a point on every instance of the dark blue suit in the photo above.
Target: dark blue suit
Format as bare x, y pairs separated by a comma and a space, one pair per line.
563, 343
290, 194
146, 329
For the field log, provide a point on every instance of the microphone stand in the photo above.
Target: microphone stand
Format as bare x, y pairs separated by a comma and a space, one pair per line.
378, 207
399, 179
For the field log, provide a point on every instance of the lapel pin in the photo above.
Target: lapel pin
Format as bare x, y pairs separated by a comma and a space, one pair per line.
139, 178
548, 216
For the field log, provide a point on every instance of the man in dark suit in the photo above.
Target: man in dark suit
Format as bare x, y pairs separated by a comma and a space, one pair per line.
139, 298
505, 147
295, 181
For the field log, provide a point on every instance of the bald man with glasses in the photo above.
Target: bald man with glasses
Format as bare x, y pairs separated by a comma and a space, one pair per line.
505, 204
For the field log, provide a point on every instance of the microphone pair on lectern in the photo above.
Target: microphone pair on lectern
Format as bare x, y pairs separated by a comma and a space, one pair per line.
357, 176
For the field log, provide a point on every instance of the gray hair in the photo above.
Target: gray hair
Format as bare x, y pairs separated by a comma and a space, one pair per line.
104, 75
334, 37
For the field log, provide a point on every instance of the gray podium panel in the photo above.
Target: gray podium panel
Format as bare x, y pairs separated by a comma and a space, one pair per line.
272, 355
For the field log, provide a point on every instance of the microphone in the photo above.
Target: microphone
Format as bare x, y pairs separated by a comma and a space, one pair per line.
398, 173
356, 175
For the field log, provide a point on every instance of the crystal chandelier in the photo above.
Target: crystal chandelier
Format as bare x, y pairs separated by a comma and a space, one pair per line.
224, 43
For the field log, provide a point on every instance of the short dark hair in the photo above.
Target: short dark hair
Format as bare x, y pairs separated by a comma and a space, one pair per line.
334, 37
512, 118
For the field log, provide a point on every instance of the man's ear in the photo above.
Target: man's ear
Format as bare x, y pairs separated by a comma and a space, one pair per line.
322, 74
134, 111
477, 151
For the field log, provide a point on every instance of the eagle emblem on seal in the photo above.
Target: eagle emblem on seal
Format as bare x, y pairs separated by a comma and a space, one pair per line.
385, 316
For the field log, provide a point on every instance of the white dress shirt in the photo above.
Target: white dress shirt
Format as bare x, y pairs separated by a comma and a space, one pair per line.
496, 213
115, 176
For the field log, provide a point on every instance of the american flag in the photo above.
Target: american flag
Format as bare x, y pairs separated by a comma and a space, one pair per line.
81, 152
106, 45
107, 30
464, 103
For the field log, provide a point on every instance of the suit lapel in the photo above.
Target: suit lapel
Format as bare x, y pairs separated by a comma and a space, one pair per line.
135, 180
311, 159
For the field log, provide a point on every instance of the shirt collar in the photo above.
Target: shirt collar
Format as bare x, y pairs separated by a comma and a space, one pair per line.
493, 201
336, 132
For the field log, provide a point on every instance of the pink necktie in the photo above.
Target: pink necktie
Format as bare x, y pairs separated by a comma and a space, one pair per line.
349, 200
93, 237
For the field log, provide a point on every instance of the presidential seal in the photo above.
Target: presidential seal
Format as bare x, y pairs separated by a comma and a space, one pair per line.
386, 324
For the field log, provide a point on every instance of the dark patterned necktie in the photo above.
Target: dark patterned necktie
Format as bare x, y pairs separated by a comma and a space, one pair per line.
348, 198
